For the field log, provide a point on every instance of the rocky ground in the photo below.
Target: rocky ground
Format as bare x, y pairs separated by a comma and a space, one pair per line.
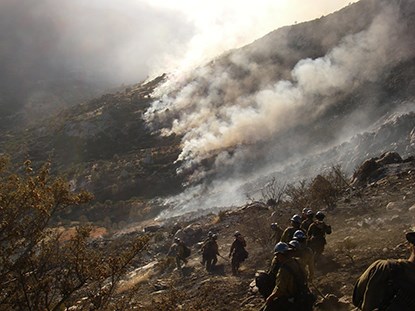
368, 223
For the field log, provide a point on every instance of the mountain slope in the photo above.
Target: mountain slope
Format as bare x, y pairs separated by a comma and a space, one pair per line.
276, 106
367, 224
288, 98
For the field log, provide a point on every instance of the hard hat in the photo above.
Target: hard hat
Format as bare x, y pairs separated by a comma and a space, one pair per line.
305, 209
214, 236
309, 212
299, 235
320, 215
237, 233
294, 244
210, 233
296, 218
281, 248
274, 225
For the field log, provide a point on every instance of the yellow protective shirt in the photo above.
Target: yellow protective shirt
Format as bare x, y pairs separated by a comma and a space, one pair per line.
374, 286
286, 284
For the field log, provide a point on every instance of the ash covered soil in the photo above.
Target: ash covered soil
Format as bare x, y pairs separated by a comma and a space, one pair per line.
368, 223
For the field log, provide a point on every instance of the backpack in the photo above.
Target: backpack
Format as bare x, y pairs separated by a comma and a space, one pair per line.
305, 300
265, 282
209, 248
244, 254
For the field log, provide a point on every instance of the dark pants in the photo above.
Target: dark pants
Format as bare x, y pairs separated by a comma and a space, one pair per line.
211, 262
235, 262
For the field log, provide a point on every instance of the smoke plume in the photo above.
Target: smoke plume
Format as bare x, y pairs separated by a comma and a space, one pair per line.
245, 133
78, 48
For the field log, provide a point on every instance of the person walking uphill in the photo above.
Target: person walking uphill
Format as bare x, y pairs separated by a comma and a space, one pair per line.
307, 222
288, 233
305, 254
388, 284
317, 234
237, 252
291, 292
180, 251
202, 249
210, 251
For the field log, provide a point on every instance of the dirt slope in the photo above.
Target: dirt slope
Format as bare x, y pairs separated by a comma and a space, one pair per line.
367, 224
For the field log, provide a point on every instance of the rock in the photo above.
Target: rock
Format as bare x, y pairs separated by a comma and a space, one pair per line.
153, 228
332, 302
374, 169
392, 206
395, 219
363, 173
389, 158
191, 234
252, 287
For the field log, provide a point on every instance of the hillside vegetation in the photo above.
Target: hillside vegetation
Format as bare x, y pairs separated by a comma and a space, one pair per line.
105, 146
368, 222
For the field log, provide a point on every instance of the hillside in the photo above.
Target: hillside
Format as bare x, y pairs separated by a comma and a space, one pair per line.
218, 124
335, 90
368, 223
318, 114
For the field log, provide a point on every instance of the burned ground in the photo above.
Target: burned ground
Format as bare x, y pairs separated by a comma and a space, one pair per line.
368, 223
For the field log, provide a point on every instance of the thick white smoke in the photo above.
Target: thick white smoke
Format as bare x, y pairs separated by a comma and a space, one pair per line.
211, 125
207, 127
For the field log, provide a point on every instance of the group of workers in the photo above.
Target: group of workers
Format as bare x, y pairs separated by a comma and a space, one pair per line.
210, 251
292, 265
385, 285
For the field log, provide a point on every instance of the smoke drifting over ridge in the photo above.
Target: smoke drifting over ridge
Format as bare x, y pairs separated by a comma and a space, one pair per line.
250, 125
47, 45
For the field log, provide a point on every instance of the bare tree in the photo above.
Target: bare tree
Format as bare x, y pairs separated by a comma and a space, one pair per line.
272, 192
299, 196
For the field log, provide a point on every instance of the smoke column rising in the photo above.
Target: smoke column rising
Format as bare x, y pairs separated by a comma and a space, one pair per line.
106, 43
211, 126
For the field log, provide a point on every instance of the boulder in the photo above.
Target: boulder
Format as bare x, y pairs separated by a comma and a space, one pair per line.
392, 206
365, 171
390, 157
191, 234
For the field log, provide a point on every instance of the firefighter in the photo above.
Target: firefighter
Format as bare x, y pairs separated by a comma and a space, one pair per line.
317, 234
304, 254
237, 252
210, 251
288, 233
388, 284
291, 290
179, 250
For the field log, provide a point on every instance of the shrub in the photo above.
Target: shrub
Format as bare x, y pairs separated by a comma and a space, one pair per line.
39, 269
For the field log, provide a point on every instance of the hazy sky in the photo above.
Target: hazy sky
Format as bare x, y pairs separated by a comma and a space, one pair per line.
126, 41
